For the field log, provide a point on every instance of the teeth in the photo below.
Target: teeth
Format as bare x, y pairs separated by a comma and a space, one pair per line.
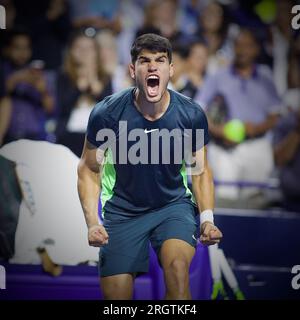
152, 77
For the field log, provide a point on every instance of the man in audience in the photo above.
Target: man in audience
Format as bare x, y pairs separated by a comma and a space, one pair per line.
249, 97
26, 99
287, 157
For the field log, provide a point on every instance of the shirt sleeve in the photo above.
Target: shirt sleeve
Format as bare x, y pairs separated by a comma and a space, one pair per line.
275, 103
96, 123
206, 94
200, 133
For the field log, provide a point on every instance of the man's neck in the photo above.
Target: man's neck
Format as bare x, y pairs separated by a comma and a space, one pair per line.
151, 111
244, 71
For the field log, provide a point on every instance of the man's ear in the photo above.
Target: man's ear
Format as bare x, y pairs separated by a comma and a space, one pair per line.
132, 71
171, 69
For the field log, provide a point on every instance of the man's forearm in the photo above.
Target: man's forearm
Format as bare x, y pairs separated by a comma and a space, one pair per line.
203, 190
266, 125
89, 191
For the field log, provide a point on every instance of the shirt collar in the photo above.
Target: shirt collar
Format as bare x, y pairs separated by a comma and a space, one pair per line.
253, 75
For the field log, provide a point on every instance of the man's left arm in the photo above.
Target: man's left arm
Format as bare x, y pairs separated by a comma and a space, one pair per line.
203, 190
253, 130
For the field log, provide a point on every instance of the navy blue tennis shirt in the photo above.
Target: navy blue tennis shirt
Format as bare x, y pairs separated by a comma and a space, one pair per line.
134, 187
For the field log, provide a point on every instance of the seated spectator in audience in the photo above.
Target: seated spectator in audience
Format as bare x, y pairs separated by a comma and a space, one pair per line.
81, 84
149, 18
216, 31
189, 15
282, 37
287, 134
291, 96
250, 96
49, 24
109, 58
196, 63
26, 100
287, 157
161, 18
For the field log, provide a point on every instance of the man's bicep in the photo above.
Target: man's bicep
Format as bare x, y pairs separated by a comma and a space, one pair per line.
92, 156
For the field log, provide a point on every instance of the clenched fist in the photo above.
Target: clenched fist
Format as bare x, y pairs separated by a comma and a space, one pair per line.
210, 234
97, 236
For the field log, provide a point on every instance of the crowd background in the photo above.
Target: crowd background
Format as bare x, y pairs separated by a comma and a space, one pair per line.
240, 60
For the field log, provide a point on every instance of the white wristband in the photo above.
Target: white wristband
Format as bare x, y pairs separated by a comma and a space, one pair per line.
207, 216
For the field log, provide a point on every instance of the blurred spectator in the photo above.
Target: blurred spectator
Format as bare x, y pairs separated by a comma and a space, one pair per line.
178, 80
26, 99
251, 97
189, 13
214, 29
128, 10
287, 134
292, 94
287, 157
282, 37
161, 18
10, 17
196, 63
149, 26
96, 14
81, 84
119, 74
49, 25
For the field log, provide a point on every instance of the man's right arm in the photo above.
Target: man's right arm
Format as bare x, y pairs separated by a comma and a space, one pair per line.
89, 170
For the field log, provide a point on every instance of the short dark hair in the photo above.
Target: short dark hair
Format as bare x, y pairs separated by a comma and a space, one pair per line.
17, 31
253, 33
152, 42
180, 49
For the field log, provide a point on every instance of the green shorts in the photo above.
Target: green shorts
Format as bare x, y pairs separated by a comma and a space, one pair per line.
127, 250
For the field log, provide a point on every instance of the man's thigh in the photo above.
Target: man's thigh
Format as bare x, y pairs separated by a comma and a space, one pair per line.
179, 222
127, 250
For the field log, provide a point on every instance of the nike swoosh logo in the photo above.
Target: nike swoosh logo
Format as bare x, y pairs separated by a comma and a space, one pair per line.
148, 131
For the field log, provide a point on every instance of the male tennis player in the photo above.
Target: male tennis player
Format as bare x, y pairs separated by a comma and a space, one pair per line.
146, 201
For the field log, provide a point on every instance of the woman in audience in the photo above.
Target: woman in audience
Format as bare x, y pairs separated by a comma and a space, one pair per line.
196, 64
82, 83
214, 30
108, 50
25, 98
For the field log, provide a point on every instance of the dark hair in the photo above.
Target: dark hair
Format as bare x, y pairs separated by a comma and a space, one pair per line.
180, 49
194, 42
152, 42
17, 31
253, 33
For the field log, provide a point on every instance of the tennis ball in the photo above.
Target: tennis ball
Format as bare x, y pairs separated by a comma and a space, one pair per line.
234, 131
266, 10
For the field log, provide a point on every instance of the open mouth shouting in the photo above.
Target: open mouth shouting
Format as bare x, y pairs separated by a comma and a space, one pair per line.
152, 84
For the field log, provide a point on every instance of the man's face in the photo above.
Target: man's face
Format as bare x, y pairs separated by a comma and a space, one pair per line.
20, 50
152, 72
246, 49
